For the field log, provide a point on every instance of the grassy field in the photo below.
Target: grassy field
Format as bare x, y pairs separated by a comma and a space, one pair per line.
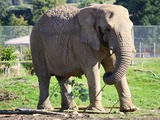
143, 78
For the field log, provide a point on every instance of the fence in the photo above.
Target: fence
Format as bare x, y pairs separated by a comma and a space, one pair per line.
146, 38
10, 32
15, 68
147, 41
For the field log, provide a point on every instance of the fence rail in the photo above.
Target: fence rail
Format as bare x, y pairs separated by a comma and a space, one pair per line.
26, 68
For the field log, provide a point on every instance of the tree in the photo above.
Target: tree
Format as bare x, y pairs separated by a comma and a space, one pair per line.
14, 21
3, 10
17, 2
88, 2
24, 11
6, 12
143, 12
41, 6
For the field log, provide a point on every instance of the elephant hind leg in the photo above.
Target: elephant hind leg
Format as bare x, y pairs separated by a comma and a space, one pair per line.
66, 101
44, 102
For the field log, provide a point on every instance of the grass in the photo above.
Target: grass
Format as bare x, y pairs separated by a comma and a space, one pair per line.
144, 87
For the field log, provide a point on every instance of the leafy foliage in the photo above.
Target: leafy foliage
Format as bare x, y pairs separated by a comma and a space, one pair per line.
26, 52
24, 11
3, 10
79, 91
143, 12
7, 53
14, 21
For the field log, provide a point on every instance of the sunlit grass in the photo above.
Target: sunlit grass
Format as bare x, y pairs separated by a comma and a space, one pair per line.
144, 88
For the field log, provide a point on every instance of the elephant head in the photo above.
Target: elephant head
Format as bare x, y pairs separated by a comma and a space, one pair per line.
109, 25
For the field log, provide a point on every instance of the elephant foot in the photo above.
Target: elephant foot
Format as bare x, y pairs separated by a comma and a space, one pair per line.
99, 109
69, 105
95, 108
126, 105
45, 105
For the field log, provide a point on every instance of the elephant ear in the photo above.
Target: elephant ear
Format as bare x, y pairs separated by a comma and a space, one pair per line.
87, 21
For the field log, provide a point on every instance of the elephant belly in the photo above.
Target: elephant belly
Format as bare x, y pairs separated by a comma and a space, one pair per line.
65, 67
66, 71
60, 56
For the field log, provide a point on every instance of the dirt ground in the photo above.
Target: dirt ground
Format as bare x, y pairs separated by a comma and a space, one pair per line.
43, 117
114, 115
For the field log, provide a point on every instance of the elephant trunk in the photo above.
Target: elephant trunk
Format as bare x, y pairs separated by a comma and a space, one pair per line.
123, 60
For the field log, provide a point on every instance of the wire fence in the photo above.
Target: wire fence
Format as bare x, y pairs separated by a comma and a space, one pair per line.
11, 32
146, 38
16, 68
146, 41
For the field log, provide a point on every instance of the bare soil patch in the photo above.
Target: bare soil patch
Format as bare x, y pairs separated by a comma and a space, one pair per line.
7, 95
114, 115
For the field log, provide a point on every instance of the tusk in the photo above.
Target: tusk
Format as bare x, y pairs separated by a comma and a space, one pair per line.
134, 50
111, 52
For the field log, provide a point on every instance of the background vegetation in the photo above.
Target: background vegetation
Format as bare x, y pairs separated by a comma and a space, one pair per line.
143, 12
27, 12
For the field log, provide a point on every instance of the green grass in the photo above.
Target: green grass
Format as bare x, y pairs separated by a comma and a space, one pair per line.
145, 89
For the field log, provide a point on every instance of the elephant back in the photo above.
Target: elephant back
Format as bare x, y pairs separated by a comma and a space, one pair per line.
58, 20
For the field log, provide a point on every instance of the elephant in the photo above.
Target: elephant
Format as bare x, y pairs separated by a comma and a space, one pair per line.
67, 41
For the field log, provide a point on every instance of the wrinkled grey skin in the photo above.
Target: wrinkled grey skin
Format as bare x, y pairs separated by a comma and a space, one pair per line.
68, 41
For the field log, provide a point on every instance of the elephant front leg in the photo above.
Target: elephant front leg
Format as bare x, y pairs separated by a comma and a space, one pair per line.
122, 87
44, 102
93, 77
66, 100
123, 90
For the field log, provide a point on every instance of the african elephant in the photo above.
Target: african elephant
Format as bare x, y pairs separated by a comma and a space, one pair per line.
68, 41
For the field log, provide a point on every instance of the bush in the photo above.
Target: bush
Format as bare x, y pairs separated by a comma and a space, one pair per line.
8, 54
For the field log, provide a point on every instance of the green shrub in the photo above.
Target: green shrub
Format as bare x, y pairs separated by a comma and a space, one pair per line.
8, 54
